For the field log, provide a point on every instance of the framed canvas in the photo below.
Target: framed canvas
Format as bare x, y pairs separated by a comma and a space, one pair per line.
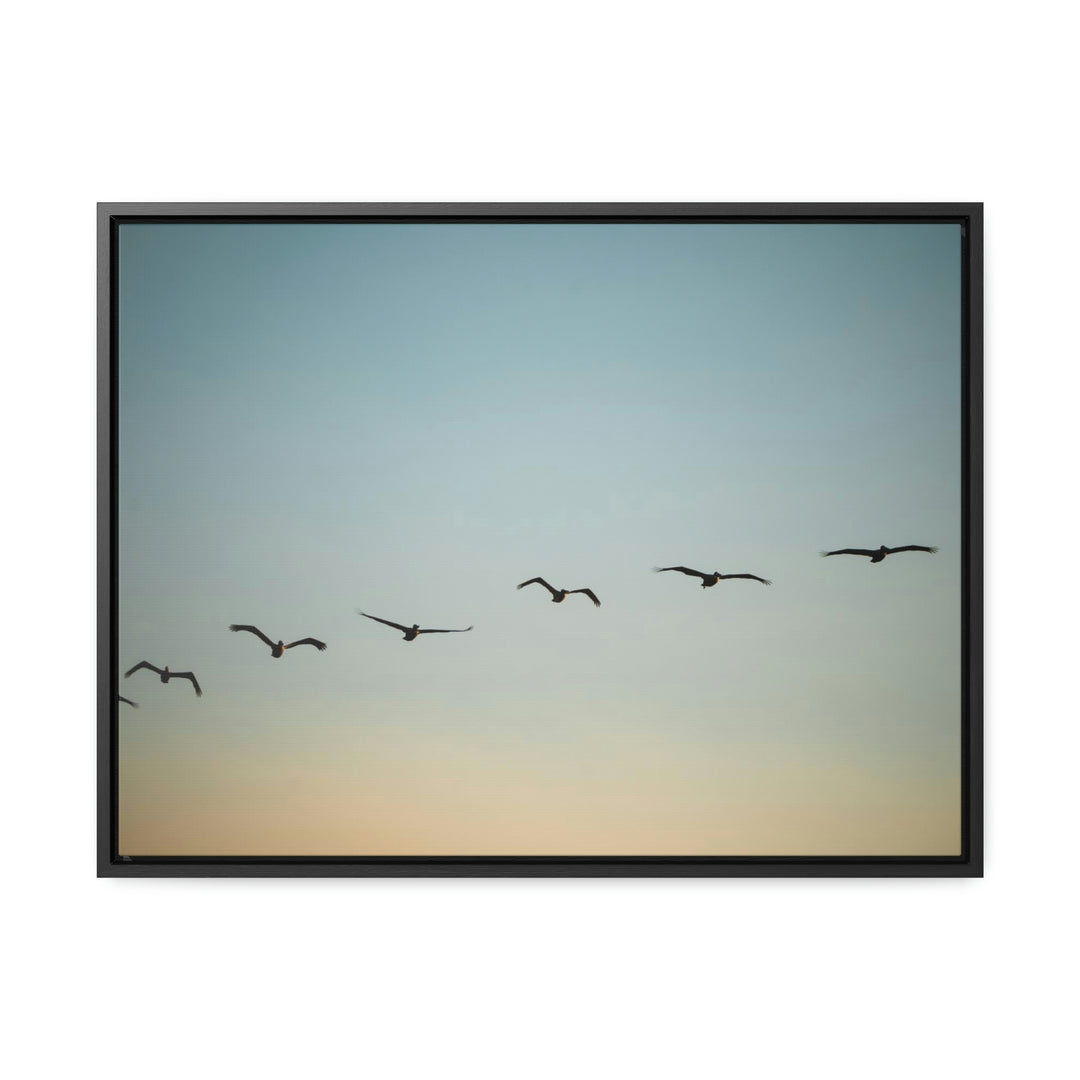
562, 539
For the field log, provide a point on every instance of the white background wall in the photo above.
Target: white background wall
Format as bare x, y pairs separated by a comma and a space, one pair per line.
483, 101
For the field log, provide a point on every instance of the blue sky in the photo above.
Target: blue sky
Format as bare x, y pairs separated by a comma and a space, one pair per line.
413, 418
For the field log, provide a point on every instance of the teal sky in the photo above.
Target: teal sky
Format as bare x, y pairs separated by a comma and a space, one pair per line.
413, 418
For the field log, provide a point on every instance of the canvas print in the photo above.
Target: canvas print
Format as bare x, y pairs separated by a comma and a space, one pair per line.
539, 538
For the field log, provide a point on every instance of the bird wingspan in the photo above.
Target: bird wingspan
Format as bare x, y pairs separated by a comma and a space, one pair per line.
752, 577
465, 631
912, 547
682, 570
187, 675
320, 645
143, 664
589, 593
848, 551
385, 622
235, 627
539, 581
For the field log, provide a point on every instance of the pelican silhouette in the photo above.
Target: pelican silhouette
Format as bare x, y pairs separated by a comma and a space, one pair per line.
128, 701
410, 632
165, 674
278, 648
559, 595
709, 580
879, 554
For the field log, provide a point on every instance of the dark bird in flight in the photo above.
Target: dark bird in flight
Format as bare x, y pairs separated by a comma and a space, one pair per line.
128, 701
278, 648
165, 674
559, 595
709, 580
879, 554
410, 632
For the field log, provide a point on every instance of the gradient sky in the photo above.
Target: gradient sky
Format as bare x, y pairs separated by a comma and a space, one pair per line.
413, 418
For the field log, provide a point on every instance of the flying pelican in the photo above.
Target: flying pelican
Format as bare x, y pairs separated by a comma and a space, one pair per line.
709, 580
559, 595
410, 632
276, 650
128, 701
879, 554
165, 674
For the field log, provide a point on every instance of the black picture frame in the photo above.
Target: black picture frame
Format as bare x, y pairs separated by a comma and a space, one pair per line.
968, 864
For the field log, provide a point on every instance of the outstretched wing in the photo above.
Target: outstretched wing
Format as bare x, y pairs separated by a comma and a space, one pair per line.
682, 570
589, 593
252, 630
465, 631
320, 645
912, 547
752, 577
848, 551
128, 701
143, 664
187, 675
539, 581
385, 622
